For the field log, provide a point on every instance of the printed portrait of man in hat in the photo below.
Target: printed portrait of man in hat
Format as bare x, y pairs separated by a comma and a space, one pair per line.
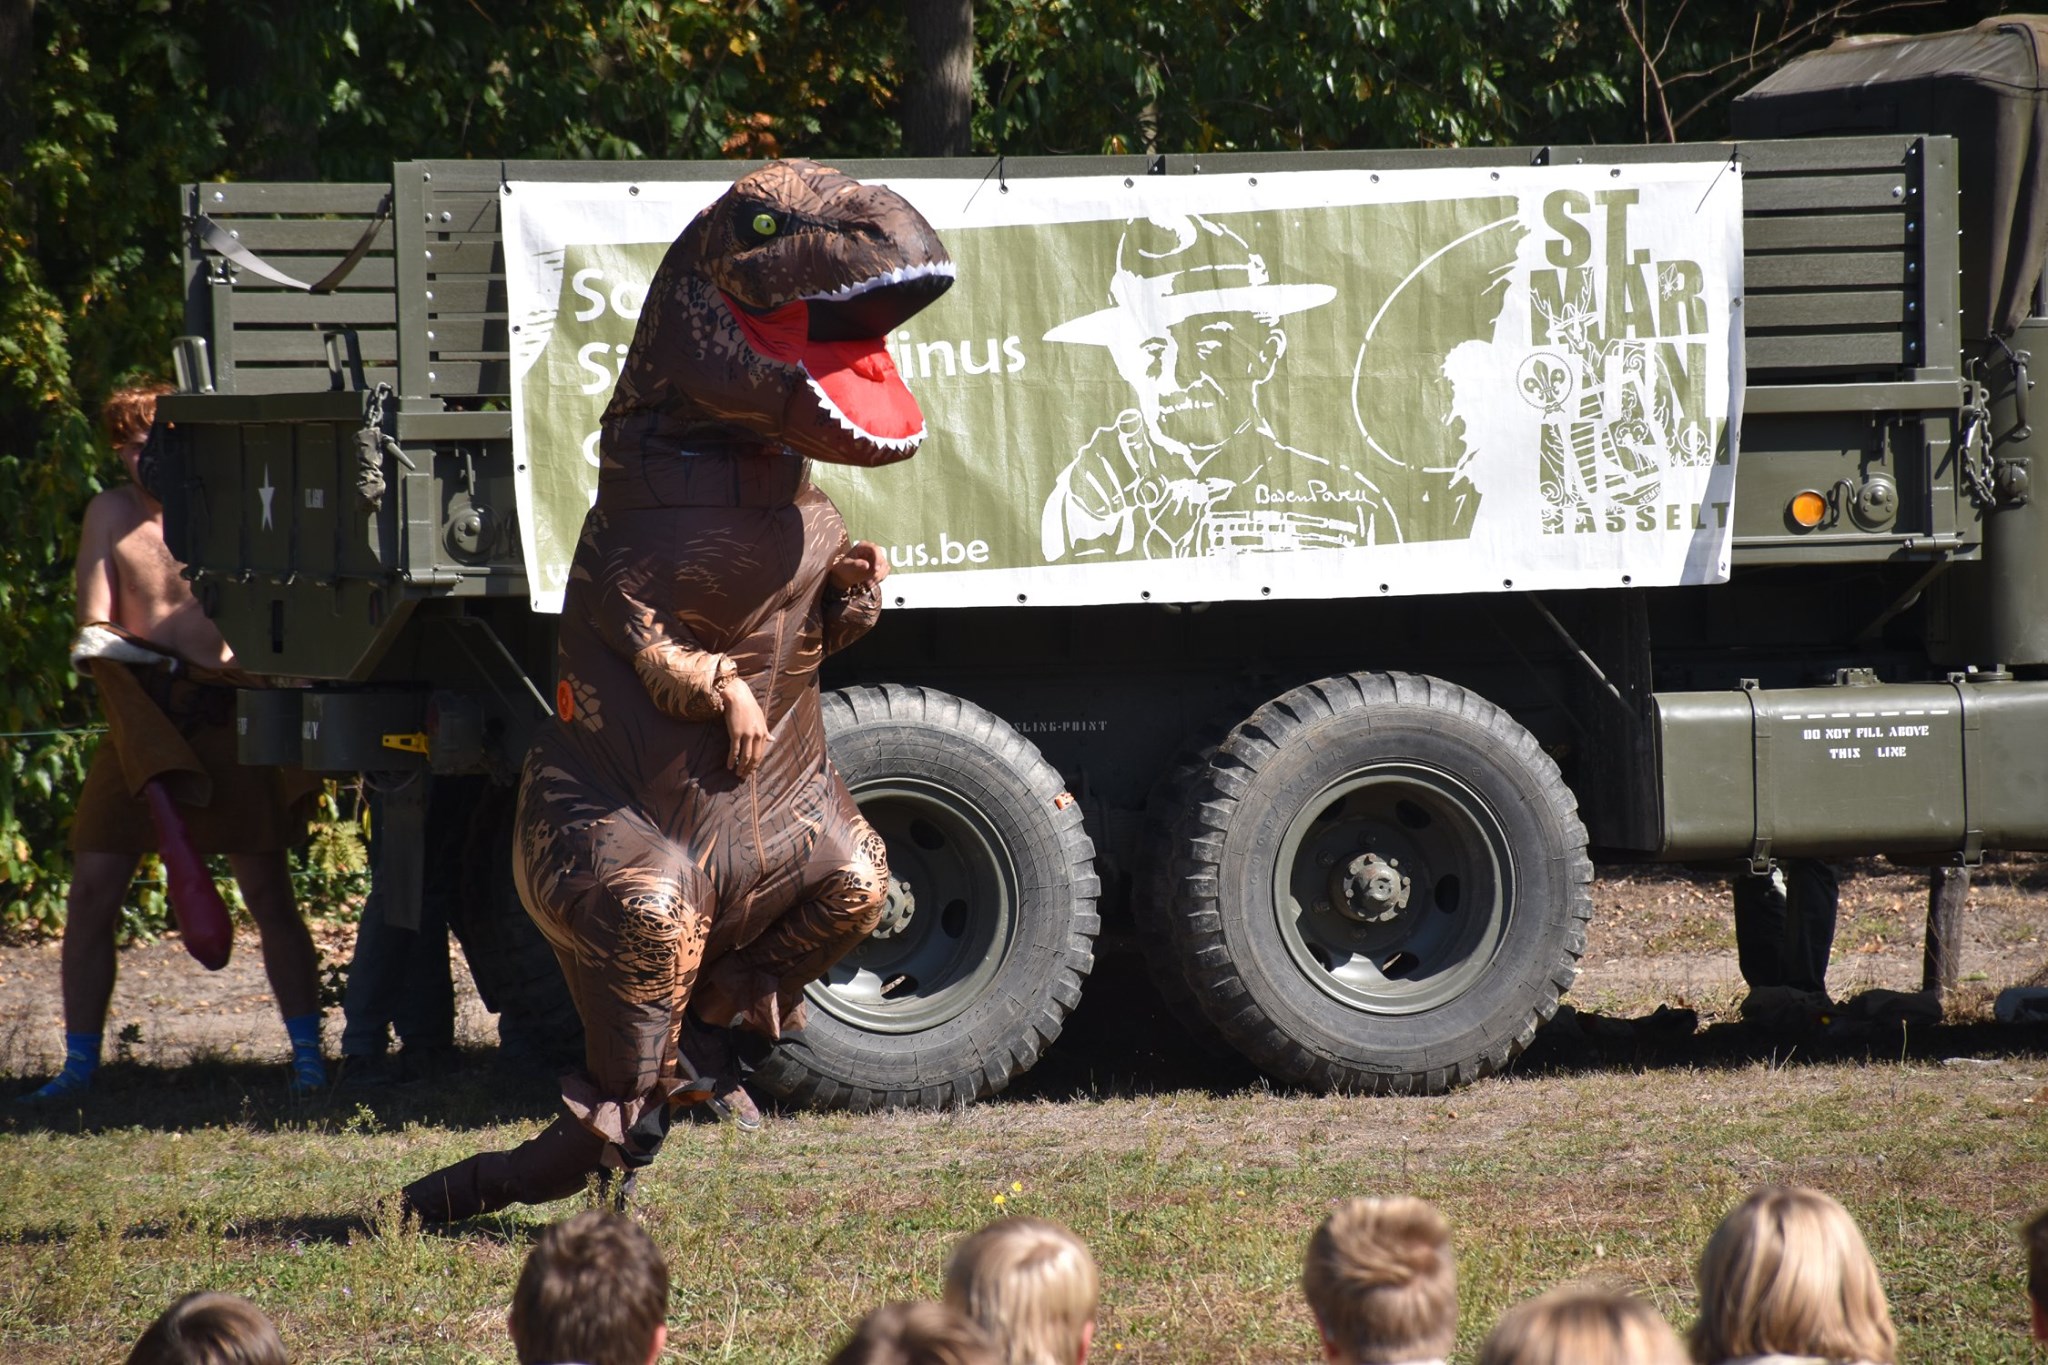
1194, 468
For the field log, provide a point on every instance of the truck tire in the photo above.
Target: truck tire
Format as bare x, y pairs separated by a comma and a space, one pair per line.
991, 922
1153, 885
1450, 842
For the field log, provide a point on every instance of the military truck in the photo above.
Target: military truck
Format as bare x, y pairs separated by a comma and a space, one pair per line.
1288, 704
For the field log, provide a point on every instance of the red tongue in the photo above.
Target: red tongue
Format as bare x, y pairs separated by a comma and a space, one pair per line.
857, 377
861, 381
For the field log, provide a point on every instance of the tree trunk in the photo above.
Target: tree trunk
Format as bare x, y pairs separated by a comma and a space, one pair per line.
17, 82
939, 99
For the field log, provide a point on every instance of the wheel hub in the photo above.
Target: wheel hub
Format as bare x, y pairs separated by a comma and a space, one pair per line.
898, 905
1369, 889
948, 913
1392, 887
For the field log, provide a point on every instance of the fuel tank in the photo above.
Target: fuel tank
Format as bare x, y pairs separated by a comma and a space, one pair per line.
1862, 767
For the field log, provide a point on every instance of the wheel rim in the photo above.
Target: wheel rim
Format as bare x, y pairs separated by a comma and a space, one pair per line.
1344, 931
952, 915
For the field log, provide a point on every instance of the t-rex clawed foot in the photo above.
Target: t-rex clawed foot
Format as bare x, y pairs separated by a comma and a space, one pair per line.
551, 1165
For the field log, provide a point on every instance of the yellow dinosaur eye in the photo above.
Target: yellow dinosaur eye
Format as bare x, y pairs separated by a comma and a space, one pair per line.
765, 224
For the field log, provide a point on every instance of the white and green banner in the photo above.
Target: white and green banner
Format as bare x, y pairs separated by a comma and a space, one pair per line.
1201, 387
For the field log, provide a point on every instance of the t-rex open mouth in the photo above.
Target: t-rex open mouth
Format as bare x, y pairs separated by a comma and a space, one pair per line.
840, 340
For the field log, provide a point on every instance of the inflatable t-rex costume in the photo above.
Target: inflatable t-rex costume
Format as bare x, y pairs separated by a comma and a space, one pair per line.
652, 838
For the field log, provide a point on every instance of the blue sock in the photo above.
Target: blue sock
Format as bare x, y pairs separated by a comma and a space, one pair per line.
81, 1059
308, 1071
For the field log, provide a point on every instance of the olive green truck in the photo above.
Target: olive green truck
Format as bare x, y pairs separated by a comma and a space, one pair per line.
1316, 562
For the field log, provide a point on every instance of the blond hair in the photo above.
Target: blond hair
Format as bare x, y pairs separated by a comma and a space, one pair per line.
1381, 1281
1579, 1326
1787, 1273
918, 1334
1031, 1283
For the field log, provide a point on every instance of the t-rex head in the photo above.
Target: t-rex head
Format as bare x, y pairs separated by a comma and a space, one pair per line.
772, 309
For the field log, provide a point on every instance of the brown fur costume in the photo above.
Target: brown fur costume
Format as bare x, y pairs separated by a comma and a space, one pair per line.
704, 564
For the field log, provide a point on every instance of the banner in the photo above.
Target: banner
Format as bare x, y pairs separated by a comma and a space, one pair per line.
1207, 387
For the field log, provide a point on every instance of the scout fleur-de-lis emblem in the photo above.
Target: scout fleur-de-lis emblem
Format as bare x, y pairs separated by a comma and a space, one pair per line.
1546, 382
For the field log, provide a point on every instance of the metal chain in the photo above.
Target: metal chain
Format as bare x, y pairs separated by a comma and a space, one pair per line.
1975, 449
375, 416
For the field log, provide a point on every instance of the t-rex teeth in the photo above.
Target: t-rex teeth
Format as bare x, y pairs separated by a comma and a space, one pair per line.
910, 442
900, 275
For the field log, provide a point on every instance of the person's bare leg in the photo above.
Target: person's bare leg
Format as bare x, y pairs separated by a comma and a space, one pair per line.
288, 960
99, 882
288, 957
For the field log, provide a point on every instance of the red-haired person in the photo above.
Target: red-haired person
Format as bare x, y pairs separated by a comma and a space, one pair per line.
165, 672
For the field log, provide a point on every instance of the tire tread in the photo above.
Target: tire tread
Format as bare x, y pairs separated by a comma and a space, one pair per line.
1198, 925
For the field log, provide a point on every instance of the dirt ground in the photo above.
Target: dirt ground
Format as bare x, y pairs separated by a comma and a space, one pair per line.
1658, 937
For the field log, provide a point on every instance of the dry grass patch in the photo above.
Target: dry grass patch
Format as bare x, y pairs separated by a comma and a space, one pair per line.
1197, 1206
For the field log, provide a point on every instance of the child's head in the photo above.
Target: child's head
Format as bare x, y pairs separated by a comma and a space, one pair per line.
1787, 1273
129, 411
1032, 1285
1381, 1282
594, 1290
210, 1329
1574, 1326
918, 1334
2036, 1235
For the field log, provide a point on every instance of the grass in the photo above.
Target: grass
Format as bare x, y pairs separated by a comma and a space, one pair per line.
1196, 1202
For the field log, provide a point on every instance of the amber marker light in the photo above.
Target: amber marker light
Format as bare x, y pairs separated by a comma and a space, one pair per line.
1808, 508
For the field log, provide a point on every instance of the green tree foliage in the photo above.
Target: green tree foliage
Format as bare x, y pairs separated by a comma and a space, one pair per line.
645, 79
129, 98
88, 297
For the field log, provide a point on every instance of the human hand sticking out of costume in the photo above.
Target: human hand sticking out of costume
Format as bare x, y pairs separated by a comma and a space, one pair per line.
745, 726
862, 566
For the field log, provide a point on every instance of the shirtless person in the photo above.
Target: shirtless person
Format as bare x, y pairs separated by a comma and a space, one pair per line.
126, 577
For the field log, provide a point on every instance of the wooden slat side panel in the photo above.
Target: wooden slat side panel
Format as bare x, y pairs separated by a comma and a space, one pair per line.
337, 309
446, 335
1861, 190
1808, 155
1766, 311
486, 295
280, 235
360, 200
371, 273
460, 378
266, 379
262, 344
451, 377
480, 257
1832, 259
1839, 351
1827, 232
1825, 270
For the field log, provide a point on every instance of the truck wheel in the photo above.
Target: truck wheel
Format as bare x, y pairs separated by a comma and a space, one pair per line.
1383, 886
990, 924
1153, 885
